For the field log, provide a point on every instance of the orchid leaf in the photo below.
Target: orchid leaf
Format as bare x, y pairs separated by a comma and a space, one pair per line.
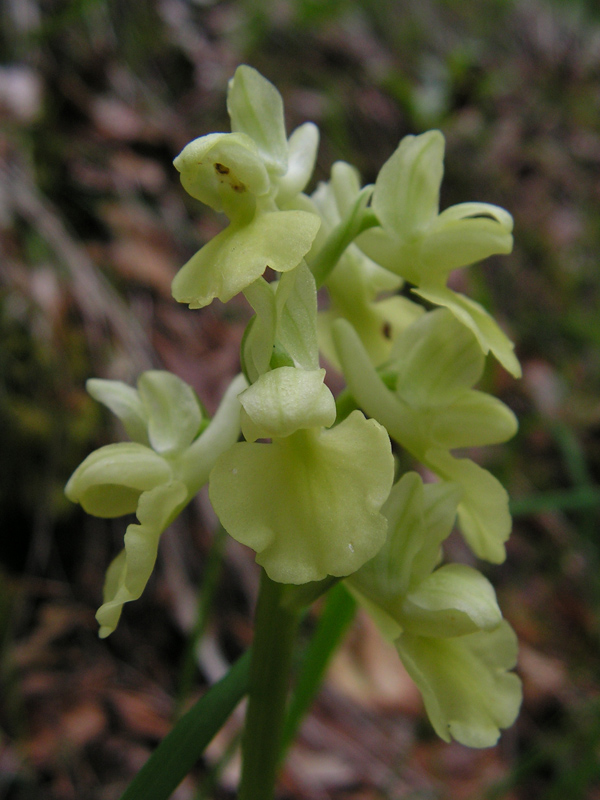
177, 753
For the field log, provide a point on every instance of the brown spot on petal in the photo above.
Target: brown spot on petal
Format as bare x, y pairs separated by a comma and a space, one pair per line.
230, 178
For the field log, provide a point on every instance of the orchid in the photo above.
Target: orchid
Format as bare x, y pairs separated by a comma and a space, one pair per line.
424, 246
155, 476
444, 620
315, 488
433, 410
253, 175
309, 502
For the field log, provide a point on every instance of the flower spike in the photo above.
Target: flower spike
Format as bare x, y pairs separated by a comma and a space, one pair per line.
315, 489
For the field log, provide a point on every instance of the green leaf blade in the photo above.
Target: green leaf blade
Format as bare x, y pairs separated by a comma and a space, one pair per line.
180, 749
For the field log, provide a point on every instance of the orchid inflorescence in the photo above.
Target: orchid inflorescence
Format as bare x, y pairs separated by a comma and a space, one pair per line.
312, 487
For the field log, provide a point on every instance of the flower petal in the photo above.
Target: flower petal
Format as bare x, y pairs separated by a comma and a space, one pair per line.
436, 359
172, 408
256, 109
400, 256
125, 403
483, 513
472, 420
223, 170
388, 573
259, 337
344, 187
452, 601
476, 318
285, 400
309, 505
377, 324
296, 303
223, 431
353, 286
369, 391
128, 574
302, 154
440, 506
407, 189
239, 255
468, 692
461, 242
420, 516
109, 481
475, 210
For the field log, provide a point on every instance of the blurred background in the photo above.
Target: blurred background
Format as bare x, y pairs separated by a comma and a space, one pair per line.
96, 99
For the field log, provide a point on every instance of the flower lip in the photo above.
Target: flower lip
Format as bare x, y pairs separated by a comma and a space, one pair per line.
308, 504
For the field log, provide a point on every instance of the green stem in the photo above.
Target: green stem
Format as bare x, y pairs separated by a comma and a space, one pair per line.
339, 612
195, 463
297, 598
360, 219
274, 636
